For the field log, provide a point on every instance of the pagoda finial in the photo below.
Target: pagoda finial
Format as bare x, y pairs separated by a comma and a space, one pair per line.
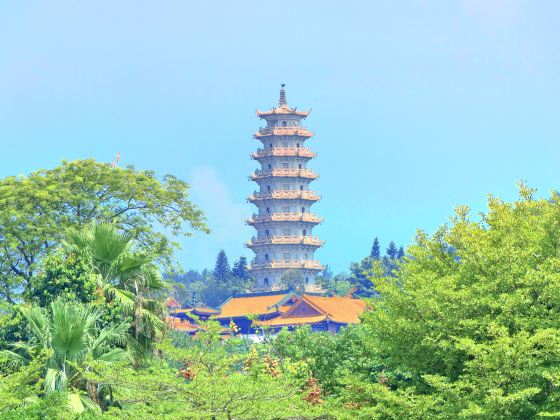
282, 100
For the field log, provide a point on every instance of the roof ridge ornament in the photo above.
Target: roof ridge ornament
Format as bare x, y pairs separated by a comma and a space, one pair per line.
282, 102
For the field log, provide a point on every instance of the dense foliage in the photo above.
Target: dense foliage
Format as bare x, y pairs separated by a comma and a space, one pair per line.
35, 211
470, 324
212, 288
465, 325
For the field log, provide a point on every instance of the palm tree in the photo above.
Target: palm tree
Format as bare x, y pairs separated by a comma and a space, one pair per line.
124, 275
68, 336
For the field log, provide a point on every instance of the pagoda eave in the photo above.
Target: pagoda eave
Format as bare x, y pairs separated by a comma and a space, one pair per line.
271, 240
311, 265
288, 217
283, 110
279, 173
262, 198
283, 131
300, 152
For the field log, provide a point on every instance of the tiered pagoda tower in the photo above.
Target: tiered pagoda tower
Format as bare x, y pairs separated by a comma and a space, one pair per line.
283, 221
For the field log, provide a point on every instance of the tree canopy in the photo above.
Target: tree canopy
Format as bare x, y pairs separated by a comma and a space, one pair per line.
469, 325
36, 209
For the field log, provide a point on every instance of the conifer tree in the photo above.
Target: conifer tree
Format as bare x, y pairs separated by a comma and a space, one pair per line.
400, 254
327, 273
392, 250
222, 270
240, 269
375, 249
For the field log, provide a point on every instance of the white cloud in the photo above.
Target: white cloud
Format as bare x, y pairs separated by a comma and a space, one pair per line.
225, 216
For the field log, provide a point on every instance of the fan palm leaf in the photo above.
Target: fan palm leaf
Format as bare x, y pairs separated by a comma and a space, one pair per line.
128, 278
38, 323
71, 326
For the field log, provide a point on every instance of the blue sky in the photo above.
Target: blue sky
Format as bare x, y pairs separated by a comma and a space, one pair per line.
417, 105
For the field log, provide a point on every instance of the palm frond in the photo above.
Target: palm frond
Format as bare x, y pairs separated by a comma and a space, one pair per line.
151, 322
108, 336
38, 323
71, 325
113, 356
125, 298
89, 405
11, 359
55, 380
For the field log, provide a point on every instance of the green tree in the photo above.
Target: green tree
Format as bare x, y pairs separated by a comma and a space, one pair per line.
222, 282
35, 210
62, 274
330, 358
68, 335
293, 279
392, 250
222, 270
470, 325
240, 269
215, 381
375, 249
359, 277
338, 285
125, 275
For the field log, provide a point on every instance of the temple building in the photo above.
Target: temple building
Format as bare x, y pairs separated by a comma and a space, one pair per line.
284, 222
284, 241
249, 313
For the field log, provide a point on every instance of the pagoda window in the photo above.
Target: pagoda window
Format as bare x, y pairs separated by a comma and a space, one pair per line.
299, 166
266, 257
270, 145
266, 281
297, 145
303, 209
305, 257
267, 210
269, 166
304, 232
301, 187
267, 232
307, 280
284, 124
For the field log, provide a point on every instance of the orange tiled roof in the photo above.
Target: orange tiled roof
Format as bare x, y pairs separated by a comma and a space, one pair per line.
200, 309
338, 309
281, 321
180, 325
172, 303
250, 305
285, 308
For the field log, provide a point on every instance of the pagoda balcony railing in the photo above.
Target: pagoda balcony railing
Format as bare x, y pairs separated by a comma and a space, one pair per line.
285, 240
284, 151
284, 194
310, 264
283, 131
287, 172
285, 217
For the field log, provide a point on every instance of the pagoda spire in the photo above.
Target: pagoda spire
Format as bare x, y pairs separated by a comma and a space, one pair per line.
282, 101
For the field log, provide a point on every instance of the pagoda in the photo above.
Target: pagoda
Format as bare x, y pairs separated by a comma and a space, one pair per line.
283, 221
